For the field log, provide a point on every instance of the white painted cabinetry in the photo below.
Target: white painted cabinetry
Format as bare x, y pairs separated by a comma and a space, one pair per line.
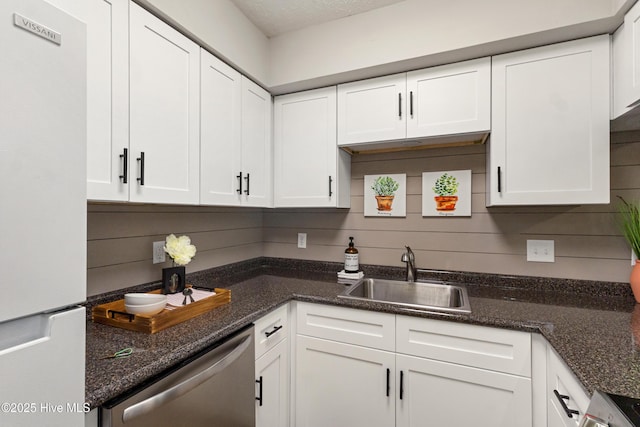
563, 386
549, 141
407, 371
272, 368
445, 100
626, 64
164, 101
235, 140
309, 169
257, 146
107, 95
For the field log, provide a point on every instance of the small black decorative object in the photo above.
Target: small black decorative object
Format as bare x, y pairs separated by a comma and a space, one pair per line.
173, 279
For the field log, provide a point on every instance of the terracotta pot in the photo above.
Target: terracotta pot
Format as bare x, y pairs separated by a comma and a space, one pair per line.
384, 202
446, 203
634, 280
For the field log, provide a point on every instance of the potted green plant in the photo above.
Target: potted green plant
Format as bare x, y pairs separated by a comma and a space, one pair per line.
630, 223
446, 188
384, 188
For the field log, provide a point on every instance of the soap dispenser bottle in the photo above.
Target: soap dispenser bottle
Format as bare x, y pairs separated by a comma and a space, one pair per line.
351, 264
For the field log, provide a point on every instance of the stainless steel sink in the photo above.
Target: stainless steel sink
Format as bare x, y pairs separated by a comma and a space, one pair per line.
430, 296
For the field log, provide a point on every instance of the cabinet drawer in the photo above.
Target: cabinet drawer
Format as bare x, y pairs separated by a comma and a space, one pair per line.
561, 379
271, 329
352, 326
495, 349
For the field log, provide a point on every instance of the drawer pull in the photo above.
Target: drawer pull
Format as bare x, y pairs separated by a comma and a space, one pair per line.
401, 385
273, 331
388, 384
561, 399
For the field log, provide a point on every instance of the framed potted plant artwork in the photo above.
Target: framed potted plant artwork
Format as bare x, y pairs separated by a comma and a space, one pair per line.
446, 193
385, 195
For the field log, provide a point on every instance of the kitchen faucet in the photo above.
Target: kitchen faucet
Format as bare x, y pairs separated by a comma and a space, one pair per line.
410, 259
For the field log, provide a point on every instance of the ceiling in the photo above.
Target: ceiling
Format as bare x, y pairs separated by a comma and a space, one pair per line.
275, 17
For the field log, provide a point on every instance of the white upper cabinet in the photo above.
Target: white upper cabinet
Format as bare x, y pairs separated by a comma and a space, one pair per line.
257, 156
450, 99
440, 101
549, 140
165, 112
220, 132
372, 110
235, 141
626, 64
309, 169
107, 95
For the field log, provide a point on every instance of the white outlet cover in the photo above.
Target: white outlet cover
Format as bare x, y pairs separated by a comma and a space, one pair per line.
541, 250
302, 240
158, 252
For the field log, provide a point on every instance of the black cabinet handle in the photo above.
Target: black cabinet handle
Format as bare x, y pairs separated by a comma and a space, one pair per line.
330, 186
141, 160
561, 399
388, 383
400, 105
411, 103
239, 190
499, 180
273, 331
259, 398
247, 190
401, 385
125, 165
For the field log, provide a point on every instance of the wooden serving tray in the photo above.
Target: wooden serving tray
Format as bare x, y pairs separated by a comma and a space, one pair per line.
114, 313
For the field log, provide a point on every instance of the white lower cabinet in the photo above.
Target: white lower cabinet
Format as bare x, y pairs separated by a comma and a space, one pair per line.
272, 382
445, 394
342, 384
272, 368
566, 399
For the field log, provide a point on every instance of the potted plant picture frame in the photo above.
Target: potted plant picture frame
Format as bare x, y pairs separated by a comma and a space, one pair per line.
385, 195
446, 193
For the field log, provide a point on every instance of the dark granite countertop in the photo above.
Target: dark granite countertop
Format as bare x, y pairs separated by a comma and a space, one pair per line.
596, 332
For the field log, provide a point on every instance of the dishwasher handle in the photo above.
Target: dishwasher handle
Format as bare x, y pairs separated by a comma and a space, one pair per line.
185, 386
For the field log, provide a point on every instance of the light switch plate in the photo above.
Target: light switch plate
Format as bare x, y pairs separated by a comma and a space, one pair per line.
634, 258
540, 250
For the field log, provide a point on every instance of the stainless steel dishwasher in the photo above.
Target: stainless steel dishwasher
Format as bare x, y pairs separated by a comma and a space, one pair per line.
215, 389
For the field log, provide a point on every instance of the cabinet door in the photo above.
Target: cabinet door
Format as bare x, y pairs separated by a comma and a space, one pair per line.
257, 156
444, 394
165, 111
343, 385
450, 99
561, 379
107, 94
305, 149
550, 125
272, 387
626, 63
220, 137
372, 110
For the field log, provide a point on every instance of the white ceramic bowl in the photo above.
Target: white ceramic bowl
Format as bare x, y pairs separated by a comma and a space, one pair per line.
148, 309
143, 299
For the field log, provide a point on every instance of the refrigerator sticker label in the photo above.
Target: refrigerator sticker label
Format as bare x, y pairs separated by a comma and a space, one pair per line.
38, 29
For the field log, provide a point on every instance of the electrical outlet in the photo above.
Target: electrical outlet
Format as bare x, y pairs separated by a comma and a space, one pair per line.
634, 258
540, 251
302, 240
158, 252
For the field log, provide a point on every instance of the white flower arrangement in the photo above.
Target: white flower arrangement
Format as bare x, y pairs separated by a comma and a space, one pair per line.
179, 249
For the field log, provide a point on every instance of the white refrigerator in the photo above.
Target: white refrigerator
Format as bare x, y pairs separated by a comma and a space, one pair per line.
42, 215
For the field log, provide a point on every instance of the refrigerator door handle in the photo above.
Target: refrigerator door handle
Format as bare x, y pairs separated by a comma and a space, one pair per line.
187, 385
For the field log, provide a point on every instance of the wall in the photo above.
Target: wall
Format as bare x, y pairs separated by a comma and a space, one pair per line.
493, 240
120, 240
401, 37
588, 242
220, 26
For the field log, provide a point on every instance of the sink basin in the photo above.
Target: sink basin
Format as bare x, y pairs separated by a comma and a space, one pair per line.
430, 296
